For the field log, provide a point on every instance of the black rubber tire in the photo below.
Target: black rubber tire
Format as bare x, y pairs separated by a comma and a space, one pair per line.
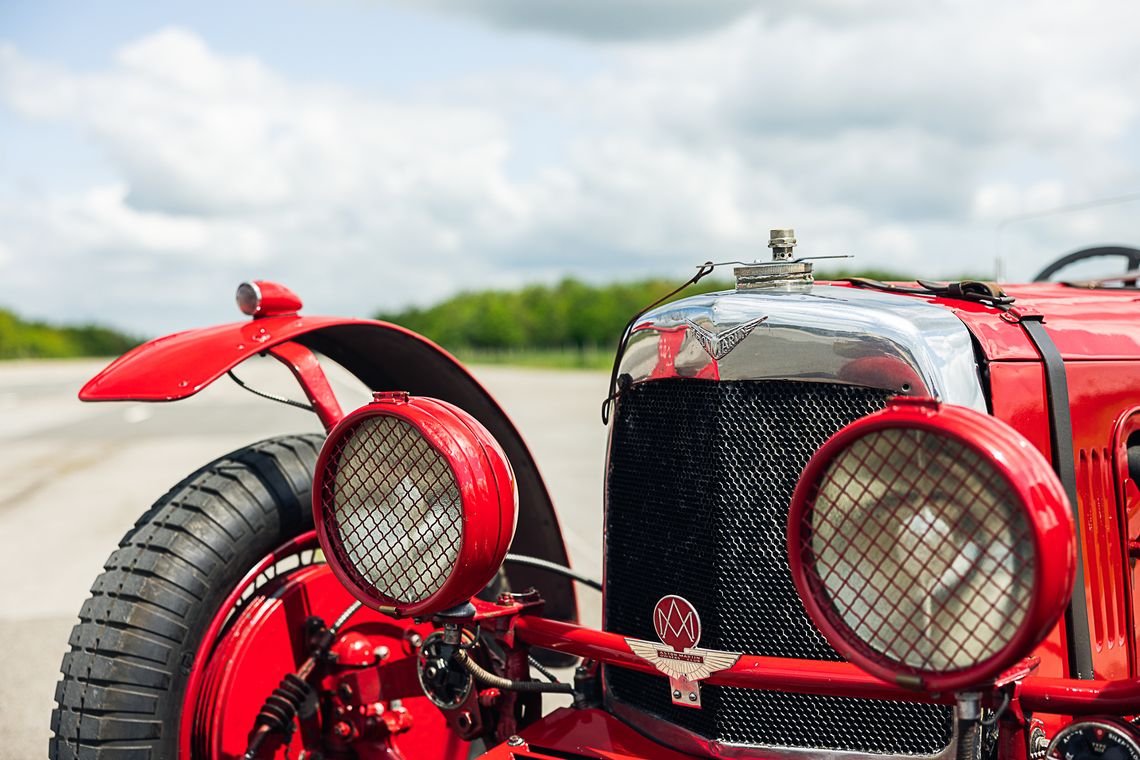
120, 697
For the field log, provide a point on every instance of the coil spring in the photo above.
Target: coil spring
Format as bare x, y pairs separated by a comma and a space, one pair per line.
283, 705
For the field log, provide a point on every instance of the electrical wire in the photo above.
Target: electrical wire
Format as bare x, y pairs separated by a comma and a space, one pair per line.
344, 616
271, 396
487, 678
614, 391
554, 567
541, 669
991, 720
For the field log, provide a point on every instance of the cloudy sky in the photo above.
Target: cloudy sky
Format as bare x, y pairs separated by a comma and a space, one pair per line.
376, 154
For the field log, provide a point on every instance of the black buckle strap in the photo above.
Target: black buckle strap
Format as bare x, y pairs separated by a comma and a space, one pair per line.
1064, 463
977, 291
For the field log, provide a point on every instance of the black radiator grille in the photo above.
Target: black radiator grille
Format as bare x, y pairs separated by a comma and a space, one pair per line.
701, 475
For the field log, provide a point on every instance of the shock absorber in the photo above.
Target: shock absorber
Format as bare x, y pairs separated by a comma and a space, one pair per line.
280, 708
289, 698
284, 704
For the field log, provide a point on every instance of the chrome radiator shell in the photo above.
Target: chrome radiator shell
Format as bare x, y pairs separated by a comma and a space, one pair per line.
805, 334
820, 333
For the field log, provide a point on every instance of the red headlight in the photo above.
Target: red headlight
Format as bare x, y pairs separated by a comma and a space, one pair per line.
414, 504
932, 545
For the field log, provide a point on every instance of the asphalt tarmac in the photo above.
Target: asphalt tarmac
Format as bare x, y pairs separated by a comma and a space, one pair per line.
74, 477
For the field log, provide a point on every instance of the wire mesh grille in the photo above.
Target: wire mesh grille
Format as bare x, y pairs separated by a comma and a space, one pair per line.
918, 546
777, 719
393, 505
701, 476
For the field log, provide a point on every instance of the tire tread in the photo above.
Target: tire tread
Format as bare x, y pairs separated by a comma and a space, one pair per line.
120, 694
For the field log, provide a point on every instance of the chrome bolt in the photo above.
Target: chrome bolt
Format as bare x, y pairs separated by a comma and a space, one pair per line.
515, 741
382, 652
969, 705
781, 242
692, 696
677, 694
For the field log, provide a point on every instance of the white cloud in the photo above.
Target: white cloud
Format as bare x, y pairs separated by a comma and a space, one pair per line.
903, 136
226, 168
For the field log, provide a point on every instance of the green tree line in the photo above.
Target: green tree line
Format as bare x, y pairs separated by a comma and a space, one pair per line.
579, 319
23, 339
568, 315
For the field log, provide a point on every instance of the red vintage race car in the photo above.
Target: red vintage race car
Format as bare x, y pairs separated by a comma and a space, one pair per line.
845, 520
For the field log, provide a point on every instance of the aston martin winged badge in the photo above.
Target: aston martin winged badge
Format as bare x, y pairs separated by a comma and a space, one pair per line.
719, 344
676, 655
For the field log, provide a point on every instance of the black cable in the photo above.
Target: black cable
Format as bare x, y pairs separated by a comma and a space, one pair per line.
271, 396
487, 678
992, 719
344, 616
539, 667
554, 567
702, 271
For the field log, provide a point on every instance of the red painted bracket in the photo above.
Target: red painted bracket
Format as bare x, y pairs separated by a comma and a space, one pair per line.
304, 365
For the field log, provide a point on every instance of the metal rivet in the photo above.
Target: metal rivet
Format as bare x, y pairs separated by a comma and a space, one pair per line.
692, 696
677, 694
514, 741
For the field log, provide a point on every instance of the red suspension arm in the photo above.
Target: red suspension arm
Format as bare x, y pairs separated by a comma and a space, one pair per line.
772, 673
1035, 694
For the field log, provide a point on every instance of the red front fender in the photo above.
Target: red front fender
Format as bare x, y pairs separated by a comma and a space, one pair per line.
382, 356
180, 365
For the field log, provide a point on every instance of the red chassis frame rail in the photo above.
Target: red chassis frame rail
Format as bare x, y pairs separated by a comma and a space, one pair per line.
1033, 693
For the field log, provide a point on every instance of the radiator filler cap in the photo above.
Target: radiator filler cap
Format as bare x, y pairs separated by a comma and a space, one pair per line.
783, 269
